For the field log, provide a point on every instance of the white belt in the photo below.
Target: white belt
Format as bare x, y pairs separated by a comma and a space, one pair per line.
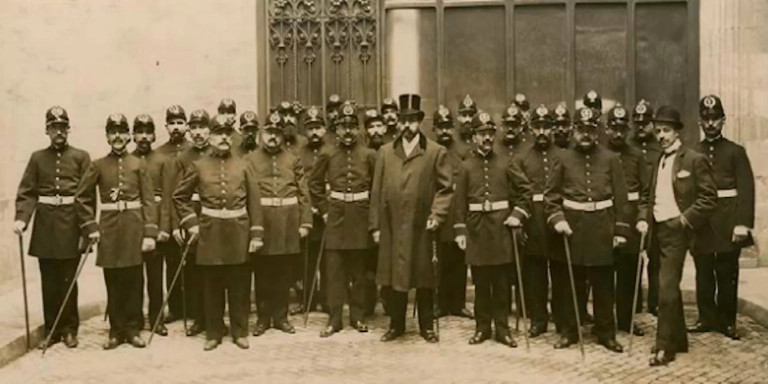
538, 197
56, 200
120, 205
195, 197
488, 206
223, 213
633, 196
278, 201
721, 193
588, 206
350, 197
158, 198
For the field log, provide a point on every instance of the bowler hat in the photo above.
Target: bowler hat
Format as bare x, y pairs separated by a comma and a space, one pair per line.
669, 115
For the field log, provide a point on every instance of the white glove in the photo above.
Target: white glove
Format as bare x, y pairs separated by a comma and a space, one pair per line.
513, 222
619, 241
461, 241
325, 218
148, 244
740, 233
19, 227
563, 228
194, 233
432, 225
376, 236
178, 236
163, 236
255, 244
94, 237
303, 232
642, 227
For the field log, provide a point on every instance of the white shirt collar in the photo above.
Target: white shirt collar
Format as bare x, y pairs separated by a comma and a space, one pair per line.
408, 146
674, 147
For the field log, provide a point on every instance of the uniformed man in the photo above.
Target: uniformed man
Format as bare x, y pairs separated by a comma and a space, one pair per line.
587, 190
453, 272
492, 193
512, 138
467, 109
625, 258
291, 137
347, 168
412, 191
166, 154
317, 139
144, 136
47, 190
249, 130
522, 103
541, 246
389, 110
644, 139
563, 128
232, 226
228, 108
127, 227
594, 101
717, 247
287, 220
332, 109
683, 195
199, 121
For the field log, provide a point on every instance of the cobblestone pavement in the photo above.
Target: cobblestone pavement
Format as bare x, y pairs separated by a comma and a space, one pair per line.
351, 357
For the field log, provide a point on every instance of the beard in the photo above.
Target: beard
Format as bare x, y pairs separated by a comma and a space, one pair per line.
465, 130
586, 145
445, 139
543, 141
375, 141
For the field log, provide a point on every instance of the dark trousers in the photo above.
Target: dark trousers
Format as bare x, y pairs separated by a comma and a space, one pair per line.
153, 267
491, 298
399, 304
193, 290
371, 290
273, 280
600, 279
125, 297
56, 275
170, 251
452, 294
626, 273
671, 334
232, 282
717, 280
309, 266
536, 285
653, 275
345, 269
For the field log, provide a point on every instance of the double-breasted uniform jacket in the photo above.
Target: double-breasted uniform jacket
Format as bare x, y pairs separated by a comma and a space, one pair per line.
128, 212
694, 186
284, 199
537, 164
457, 152
637, 179
308, 156
160, 160
52, 174
510, 150
651, 150
594, 181
348, 171
407, 191
231, 213
176, 167
736, 196
489, 190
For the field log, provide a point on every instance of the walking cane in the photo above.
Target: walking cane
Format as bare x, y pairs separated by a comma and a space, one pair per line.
24, 287
642, 255
183, 297
314, 279
522, 291
66, 297
170, 290
304, 275
573, 294
436, 276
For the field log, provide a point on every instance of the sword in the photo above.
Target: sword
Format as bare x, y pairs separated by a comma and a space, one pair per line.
436, 275
66, 297
642, 255
24, 287
314, 278
522, 290
170, 290
573, 294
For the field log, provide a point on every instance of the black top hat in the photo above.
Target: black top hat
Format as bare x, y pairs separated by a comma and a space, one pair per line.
410, 104
669, 115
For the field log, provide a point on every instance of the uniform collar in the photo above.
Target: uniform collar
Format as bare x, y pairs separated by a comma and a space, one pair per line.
716, 139
484, 155
59, 149
221, 154
138, 152
118, 155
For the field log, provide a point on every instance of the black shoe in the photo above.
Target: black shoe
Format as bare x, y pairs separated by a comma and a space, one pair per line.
195, 329
361, 326
430, 336
297, 310
53, 341
730, 332
479, 337
161, 330
260, 328
465, 313
286, 327
654, 350
611, 345
507, 340
565, 342
637, 331
70, 340
112, 343
328, 331
662, 358
137, 342
536, 331
700, 327
242, 342
211, 345
391, 334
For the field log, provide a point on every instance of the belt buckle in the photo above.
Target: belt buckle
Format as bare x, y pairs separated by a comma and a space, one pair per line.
590, 206
349, 197
58, 200
487, 206
276, 202
121, 206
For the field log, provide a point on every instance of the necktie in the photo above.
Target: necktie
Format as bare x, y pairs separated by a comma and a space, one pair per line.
665, 157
